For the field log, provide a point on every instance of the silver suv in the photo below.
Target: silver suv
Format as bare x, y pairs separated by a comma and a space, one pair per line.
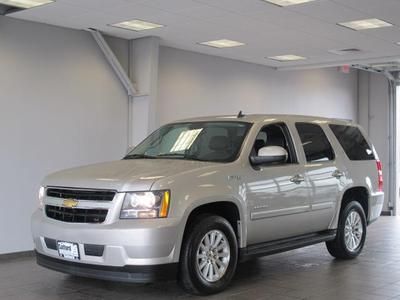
199, 195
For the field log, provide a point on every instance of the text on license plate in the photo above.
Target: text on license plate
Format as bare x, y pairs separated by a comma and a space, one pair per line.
68, 250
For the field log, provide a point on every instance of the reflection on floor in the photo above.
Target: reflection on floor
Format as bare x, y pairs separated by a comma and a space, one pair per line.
308, 273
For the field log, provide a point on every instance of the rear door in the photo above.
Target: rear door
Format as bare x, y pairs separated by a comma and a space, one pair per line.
321, 172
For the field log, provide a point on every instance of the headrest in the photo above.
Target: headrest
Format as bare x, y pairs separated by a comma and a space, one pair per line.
275, 140
218, 143
258, 144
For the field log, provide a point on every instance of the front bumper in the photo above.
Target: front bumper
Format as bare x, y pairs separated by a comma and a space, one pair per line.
130, 246
137, 274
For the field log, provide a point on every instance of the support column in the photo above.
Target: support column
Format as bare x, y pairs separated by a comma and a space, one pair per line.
375, 115
364, 115
143, 71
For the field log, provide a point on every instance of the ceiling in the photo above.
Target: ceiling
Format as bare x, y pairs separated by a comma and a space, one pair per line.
307, 30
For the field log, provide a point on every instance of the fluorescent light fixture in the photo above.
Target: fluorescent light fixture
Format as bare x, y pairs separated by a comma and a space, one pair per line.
25, 3
224, 43
345, 51
288, 57
137, 25
320, 121
365, 24
185, 140
287, 2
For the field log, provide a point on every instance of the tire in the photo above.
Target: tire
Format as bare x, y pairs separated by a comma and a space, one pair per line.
191, 270
343, 246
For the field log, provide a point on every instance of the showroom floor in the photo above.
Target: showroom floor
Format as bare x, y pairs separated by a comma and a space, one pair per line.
308, 273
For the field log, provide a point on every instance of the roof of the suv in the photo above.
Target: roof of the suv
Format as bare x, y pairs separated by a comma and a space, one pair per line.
255, 118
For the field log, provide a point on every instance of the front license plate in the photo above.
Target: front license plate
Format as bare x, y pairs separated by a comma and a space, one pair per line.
68, 250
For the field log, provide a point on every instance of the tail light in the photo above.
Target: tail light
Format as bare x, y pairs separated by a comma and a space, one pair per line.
380, 175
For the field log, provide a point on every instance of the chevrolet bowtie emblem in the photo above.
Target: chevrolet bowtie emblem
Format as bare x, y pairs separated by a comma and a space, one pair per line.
70, 203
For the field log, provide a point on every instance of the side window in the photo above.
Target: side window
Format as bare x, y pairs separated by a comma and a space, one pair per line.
275, 135
315, 143
353, 142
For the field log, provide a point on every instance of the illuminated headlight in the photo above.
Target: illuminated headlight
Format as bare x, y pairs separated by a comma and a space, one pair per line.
145, 205
42, 192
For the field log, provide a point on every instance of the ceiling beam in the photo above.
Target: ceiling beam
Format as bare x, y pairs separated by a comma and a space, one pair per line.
115, 64
340, 63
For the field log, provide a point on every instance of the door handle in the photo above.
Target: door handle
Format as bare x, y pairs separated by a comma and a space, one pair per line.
337, 174
297, 179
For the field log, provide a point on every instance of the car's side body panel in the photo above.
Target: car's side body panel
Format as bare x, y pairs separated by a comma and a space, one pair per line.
323, 187
358, 174
277, 207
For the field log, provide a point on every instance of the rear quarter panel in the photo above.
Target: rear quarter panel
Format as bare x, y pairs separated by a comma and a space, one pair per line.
361, 173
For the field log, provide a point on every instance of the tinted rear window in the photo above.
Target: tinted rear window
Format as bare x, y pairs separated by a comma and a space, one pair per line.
315, 143
353, 142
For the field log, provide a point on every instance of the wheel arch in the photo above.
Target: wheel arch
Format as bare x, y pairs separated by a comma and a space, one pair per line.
359, 194
228, 209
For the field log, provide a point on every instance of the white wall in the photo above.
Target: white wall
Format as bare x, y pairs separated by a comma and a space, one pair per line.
60, 106
192, 84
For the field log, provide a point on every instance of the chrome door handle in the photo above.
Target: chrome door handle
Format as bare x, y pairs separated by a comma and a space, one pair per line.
337, 174
297, 179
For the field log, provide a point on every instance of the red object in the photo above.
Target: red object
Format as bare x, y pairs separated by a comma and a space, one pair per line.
380, 175
345, 69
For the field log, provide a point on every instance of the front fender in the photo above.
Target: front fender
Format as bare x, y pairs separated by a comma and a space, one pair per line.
198, 187
242, 229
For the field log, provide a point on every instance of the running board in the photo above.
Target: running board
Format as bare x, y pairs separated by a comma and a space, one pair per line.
287, 244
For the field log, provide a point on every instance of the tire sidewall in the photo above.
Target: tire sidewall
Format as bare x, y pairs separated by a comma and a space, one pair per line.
352, 206
197, 234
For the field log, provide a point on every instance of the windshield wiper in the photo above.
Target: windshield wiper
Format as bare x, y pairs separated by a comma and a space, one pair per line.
171, 155
180, 156
138, 156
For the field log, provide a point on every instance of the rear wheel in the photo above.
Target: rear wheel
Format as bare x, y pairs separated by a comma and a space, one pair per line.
209, 256
351, 232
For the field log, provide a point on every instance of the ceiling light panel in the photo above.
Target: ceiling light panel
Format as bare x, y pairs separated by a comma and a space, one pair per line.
137, 25
365, 24
345, 51
288, 57
224, 43
25, 3
287, 2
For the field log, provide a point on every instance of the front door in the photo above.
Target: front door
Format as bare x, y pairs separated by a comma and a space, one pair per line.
277, 195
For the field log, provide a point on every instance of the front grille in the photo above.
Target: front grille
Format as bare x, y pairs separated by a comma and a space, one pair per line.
94, 195
76, 215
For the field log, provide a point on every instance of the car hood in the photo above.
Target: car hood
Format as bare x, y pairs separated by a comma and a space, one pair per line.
122, 175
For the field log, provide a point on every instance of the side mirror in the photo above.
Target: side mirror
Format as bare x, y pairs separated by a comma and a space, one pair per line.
269, 155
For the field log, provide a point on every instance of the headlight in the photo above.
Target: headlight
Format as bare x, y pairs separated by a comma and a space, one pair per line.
42, 191
145, 205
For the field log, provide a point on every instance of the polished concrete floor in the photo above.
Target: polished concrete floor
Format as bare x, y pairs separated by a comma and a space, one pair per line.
308, 273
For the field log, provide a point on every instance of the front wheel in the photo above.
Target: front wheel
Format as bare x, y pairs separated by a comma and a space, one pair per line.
209, 256
351, 232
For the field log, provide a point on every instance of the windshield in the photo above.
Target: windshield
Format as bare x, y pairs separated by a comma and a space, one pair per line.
203, 141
